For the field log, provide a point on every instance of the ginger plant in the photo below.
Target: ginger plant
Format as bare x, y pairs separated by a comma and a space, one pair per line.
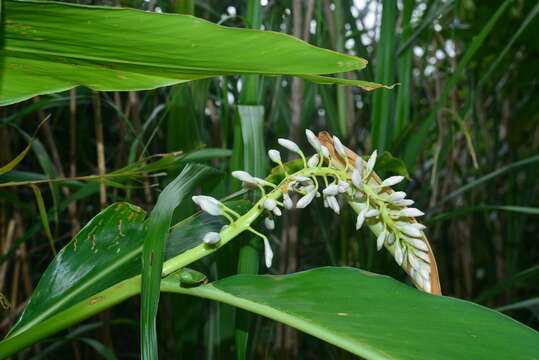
337, 176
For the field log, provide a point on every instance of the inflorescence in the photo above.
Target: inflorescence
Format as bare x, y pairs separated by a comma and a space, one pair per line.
385, 212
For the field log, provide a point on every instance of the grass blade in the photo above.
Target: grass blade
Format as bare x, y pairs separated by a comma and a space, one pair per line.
153, 252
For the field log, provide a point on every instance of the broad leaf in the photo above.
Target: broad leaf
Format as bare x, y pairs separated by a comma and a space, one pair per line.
106, 251
106, 48
374, 316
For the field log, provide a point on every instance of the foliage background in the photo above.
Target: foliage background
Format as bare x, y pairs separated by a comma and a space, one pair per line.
484, 112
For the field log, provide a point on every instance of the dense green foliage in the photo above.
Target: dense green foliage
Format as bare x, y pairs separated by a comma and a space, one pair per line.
463, 120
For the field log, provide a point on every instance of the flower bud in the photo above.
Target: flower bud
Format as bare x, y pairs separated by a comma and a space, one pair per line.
290, 145
360, 219
277, 211
208, 204
331, 190
381, 239
339, 147
397, 195
269, 223
274, 155
268, 253
313, 140
393, 180
410, 230
313, 161
399, 255
270, 204
243, 176
324, 150
287, 201
211, 238
372, 161
411, 212
305, 200
333, 204
357, 180
372, 213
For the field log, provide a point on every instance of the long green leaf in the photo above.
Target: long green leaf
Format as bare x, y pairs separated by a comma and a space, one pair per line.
375, 316
107, 49
154, 251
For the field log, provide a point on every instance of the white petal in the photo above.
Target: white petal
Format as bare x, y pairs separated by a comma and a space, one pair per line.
426, 285
410, 230
208, 204
324, 150
339, 146
305, 200
372, 213
390, 239
274, 155
302, 178
413, 261
277, 211
334, 204
358, 163
411, 212
360, 220
344, 187
419, 244
357, 179
313, 161
270, 204
243, 176
381, 239
419, 226
397, 195
393, 180
287, 202
269, 223
211, 238
399, 256
290, 145
403, 202
423, 256
331, 190
372, 161
313, 140
268, 253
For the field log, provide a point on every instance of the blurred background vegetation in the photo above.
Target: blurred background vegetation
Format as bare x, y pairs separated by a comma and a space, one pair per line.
464, 121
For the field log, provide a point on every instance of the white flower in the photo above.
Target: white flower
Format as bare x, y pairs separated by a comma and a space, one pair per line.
277, 211
269, 223
381, 239
243, 176
208, 204
372, 161
358, 163
419, 226
426, 285
313, 161
360, 219
410, 230
413, 261
268, 253
403, 202
397, 195
287, 201
305, 200
339, 146
423, 256
418, 244
399, 255
356, 178
372, 213
393, 180
411, 212
324, 150
331, 190
307, 188
274, 155
270, 204
211, 238
344, 187
290, 145
313, 140
390, 239
333, 204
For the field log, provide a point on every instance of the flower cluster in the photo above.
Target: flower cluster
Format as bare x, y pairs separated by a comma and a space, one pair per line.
337, 179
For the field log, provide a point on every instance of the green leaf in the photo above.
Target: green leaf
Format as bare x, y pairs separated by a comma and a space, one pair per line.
104, 252
374, 316
60, 301
154, 251
106, 48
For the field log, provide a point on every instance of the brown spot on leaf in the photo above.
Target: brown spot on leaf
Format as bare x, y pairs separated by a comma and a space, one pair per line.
96, 300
